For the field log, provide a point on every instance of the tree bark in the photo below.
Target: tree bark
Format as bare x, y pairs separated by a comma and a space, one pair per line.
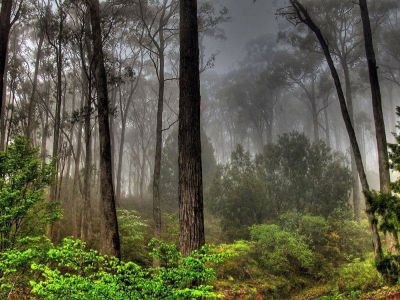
57, 116
191, 213
110, 234
158, 152
306, 19
383, 158
32, 103
379, 121
5, 26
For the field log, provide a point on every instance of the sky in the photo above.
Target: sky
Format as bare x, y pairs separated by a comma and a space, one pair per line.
248, 21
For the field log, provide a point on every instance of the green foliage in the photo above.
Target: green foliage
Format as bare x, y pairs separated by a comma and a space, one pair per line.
132, 229
333, 240
359, 276
291, 175
305, 177
238, 195
71, 271
23, 178
280, 251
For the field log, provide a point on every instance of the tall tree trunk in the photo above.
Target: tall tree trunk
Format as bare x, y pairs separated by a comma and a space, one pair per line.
86, 214
110, 234
76, 185
120, 156
356, 183
315, 120
326, 120
5, 26
383, 158
158, 153
191, 215
57, 116
379, 121
32, 103
305, 18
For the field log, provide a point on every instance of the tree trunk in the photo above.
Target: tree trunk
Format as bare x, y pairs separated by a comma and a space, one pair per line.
383, 158
32, 103
305, 18
109, 232
356, 183
5, 26
57, 116
158, 153
191, 213
76, 185
86, 213
326, 119
315, 120
120, 156
379, 121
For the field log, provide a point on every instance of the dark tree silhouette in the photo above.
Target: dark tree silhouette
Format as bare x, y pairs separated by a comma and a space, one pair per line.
190, 170
110, 235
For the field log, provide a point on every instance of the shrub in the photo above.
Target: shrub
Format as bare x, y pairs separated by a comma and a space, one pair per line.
280, 251
133, 229
71, 271
23, 178
359, 276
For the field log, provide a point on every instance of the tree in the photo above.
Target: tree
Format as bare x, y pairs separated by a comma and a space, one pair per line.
157, 21
5, 26
191, 215
299, 14
110, 235
169, 169
383, 159
23, 179
289, 175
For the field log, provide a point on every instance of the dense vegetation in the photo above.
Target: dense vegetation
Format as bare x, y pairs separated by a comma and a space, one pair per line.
132, 166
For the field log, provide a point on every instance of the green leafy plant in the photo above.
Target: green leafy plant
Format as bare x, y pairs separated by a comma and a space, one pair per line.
72, 271
23, 178
280, 251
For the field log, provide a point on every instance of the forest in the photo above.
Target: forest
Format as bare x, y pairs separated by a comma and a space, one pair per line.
199, 149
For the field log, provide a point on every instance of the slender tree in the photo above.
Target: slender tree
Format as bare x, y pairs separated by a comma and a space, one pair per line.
109, 230
190, 169
383, 158
300, 14
5, 27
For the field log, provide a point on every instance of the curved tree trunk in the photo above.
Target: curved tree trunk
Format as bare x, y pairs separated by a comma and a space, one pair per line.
306, 19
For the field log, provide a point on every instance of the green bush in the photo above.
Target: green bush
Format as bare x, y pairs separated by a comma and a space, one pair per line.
280, 251
133, 230
334, 240
23, 178
71, 271
359, 276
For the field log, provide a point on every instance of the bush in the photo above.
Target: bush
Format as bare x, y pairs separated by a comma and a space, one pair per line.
281, 252
133, 229
359, 276
23, 178
71, 271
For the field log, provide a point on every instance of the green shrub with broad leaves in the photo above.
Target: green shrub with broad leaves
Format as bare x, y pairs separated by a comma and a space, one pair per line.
72, 271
